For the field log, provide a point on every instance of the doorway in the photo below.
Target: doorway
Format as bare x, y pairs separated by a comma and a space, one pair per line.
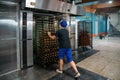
45, 50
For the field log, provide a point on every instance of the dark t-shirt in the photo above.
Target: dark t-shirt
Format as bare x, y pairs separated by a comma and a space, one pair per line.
63, 38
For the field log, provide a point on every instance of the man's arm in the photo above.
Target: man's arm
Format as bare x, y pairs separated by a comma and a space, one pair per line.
51, 36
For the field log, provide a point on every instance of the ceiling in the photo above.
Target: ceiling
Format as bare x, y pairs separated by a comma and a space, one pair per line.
101, 6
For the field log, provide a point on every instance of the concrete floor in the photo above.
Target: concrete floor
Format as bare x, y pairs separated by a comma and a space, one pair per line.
107, 61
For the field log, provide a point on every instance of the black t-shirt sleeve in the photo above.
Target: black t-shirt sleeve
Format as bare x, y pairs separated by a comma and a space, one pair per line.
57, 33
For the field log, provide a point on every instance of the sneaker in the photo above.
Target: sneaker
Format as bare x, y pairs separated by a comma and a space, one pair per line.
57, 70
77, 75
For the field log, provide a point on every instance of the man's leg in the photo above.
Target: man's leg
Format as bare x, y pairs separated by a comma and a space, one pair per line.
61, 56
72, 63
60, 70
61, 64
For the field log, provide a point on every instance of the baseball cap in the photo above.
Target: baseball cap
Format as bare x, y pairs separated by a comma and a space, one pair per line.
63, 23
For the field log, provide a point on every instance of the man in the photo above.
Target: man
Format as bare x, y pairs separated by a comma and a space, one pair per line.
64, 47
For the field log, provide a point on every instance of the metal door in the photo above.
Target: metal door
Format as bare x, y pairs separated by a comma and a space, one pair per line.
73, 33
8, 37
26, 38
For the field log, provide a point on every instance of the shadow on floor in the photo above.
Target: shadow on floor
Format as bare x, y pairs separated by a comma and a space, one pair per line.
85, 75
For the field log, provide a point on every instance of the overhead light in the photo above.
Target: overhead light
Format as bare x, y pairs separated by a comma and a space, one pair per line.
110, 2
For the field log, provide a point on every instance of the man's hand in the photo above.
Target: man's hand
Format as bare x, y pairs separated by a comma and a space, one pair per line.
49, 33
51, 36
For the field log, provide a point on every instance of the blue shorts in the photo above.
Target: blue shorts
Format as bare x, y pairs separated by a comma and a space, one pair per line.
65, 52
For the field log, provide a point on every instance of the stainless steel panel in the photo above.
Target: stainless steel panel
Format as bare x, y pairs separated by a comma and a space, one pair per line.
7, 21
8, 27
20, 37
9, 1
76, 35
8, 56
6, 46
73, 9
29, 52
68, 8
78, 1
29, 38
72, 40
54, 6
59, 6
73, 33
29, 25
39, 3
